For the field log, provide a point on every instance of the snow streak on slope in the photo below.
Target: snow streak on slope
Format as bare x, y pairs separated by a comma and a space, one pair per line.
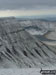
19, 49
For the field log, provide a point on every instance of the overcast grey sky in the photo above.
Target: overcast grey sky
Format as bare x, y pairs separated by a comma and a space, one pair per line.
27, 4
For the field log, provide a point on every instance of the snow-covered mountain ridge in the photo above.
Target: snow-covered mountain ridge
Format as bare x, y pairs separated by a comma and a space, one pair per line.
20, 49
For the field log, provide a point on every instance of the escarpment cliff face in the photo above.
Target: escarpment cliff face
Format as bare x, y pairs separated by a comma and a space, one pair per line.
20, 49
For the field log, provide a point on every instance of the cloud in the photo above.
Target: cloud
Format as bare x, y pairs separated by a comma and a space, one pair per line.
26, 4
27, 7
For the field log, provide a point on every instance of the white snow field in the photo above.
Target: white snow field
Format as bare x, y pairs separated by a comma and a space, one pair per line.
24, 71
20, 72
